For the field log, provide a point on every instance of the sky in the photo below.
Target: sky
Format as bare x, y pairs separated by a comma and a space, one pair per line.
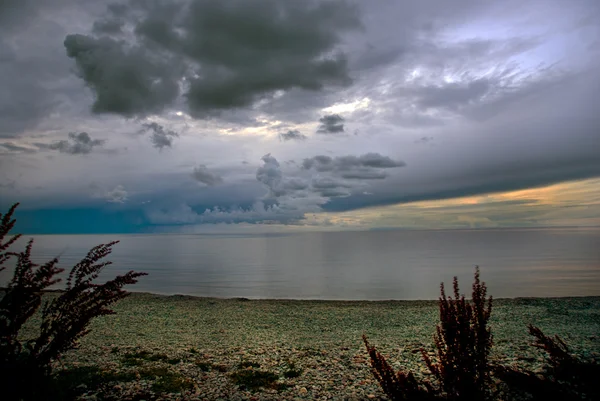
264, 115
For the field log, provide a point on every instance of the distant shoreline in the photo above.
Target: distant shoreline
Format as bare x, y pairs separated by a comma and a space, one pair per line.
278, 233
345, 301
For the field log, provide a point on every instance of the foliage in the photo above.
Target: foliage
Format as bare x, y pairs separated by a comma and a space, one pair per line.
463, 341
166, 381
564, 376
397, 385
253, 379
292, 371
65, 318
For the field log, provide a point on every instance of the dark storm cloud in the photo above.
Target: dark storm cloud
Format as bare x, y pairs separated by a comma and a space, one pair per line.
160, 136
331, 124
294, 135
77, 144
204, 175
127, 80
227, 54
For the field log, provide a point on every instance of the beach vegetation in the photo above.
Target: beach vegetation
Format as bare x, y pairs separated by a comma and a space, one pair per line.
463, 340
564, 376
253, 379
166, 381
292, 371
64, 317
462, 369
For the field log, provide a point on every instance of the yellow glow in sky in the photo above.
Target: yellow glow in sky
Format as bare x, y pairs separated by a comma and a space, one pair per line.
575, 203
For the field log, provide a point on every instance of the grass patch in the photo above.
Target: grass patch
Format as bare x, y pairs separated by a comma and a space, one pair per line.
139, 357
254, 379
166, 381
248, 364
204, 366
292, 371
64, 385
221, 368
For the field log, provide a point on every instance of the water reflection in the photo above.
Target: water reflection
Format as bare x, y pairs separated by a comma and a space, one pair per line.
348, 265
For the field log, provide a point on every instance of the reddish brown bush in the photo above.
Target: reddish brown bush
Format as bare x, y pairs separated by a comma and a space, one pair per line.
463, 341
64, 318
565, 376
397, 385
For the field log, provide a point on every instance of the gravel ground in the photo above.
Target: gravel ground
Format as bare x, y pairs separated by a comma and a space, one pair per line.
187, 348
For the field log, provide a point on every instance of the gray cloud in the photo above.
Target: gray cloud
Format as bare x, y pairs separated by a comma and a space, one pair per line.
271, 175
517, 152
330, 187
77, 144
127, 80
344, 163
111, 27
160, 137
506, 111
364, 174
331, 124
204, 175
117, 195
452, 95
226, 55
424, 139
24, 72
12, 147
292, 135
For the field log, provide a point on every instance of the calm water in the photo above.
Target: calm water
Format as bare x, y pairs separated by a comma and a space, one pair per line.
348, 265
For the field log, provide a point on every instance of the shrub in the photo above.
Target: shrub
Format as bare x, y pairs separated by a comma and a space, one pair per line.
462, 341
65, 318
564, 376
397, 385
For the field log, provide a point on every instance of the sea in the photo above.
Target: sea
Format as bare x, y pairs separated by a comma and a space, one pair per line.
365, 265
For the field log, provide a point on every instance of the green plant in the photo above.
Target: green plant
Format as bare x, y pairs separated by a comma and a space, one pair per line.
65, 318
292, 371
462, 340
204, 366
248, 364
253, 379
166, 381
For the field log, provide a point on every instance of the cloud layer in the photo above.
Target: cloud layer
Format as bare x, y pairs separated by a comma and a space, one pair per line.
218, 55
292, 113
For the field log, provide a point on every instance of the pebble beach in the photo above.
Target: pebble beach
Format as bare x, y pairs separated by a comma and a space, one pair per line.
188, 348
